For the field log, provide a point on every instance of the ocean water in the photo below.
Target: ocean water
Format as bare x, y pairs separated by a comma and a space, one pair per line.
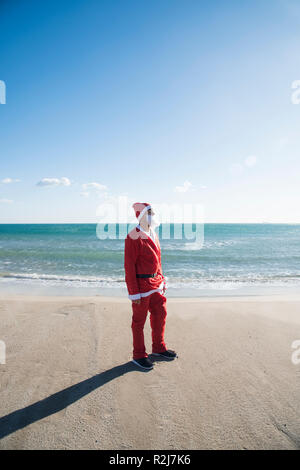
234, 259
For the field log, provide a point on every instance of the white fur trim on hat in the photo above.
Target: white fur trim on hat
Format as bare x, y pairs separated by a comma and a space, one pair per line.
143, 212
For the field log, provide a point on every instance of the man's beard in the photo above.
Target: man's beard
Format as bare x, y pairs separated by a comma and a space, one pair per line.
153, 222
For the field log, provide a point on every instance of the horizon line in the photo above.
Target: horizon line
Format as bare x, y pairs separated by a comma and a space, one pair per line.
105, 223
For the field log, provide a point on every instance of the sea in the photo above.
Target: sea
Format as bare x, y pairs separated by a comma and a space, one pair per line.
226, 259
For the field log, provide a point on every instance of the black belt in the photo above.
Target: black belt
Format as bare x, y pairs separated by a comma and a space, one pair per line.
146, 275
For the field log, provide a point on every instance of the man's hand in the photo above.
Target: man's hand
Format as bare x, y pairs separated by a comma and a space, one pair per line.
137, 301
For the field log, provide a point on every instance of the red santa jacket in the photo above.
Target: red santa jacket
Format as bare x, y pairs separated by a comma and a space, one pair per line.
142, 256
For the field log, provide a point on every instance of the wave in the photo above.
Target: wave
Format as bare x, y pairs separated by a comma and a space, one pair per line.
184, 282
55, 277
198, 245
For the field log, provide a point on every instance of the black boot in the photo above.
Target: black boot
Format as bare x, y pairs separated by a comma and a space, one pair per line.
168, 354
144, 363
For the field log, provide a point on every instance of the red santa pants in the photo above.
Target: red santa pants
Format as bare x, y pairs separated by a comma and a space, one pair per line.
156, 304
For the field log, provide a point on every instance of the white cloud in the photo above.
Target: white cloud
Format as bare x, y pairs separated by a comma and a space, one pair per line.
9, 180
250, 161
84, 194
97, 186
183, 189
54, 182
6, 201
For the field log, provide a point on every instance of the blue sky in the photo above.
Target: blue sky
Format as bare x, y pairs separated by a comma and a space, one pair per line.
167, 101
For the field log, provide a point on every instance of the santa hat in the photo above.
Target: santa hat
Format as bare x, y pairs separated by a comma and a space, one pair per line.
140, 208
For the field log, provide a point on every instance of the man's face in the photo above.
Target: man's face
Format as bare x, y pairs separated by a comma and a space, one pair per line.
144, 220
150, 213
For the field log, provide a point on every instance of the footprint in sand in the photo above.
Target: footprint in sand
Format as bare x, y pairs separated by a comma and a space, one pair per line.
69, 309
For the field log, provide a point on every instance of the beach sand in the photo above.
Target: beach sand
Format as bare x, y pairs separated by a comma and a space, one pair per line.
68, 382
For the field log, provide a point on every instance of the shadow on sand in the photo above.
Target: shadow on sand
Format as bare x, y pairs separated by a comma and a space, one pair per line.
58, 401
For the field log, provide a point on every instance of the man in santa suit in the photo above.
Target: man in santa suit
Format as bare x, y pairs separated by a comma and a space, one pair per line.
146, 286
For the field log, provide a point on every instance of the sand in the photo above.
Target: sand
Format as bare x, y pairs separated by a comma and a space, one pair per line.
68, 382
